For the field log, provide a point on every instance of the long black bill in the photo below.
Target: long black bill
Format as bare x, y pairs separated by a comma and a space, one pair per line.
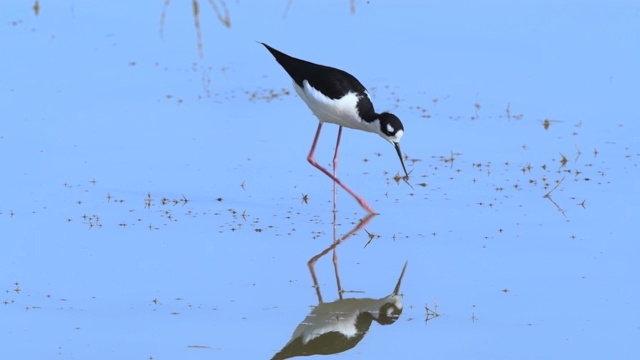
396, 291
397, 145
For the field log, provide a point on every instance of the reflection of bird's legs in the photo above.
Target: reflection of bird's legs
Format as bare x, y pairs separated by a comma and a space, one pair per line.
313, 260
312, 270
335, 267
336, 241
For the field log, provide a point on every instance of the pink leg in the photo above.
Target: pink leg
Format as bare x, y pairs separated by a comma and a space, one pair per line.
335, 214
335, 169
313, 162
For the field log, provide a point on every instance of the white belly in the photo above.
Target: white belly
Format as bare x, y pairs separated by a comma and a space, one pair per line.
336, 111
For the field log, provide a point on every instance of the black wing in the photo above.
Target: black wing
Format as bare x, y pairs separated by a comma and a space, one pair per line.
332, 82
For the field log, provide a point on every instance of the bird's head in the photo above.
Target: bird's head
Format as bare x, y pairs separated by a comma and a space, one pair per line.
391, 129
391, 309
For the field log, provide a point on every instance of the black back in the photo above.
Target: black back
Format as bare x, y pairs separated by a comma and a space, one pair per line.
332, 82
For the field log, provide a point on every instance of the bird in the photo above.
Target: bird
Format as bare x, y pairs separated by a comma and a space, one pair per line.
338, 326
337, 97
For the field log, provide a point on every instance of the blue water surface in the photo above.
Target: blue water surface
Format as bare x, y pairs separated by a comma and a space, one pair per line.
156, 204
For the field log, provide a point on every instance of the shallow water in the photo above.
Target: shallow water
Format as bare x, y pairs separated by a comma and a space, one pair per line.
159, 205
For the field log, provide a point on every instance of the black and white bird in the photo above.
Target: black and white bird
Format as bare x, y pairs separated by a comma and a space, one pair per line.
337, 97
338, 326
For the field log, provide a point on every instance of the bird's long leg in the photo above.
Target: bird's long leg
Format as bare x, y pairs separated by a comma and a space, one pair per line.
335, 169
335, 213
313, 162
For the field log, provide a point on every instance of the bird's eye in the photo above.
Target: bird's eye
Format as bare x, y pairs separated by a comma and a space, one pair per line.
390, 129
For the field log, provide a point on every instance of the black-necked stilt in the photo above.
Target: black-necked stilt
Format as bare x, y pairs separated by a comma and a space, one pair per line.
338, 326
337, 97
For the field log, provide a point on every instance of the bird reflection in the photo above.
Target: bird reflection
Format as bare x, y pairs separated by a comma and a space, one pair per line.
338, 326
